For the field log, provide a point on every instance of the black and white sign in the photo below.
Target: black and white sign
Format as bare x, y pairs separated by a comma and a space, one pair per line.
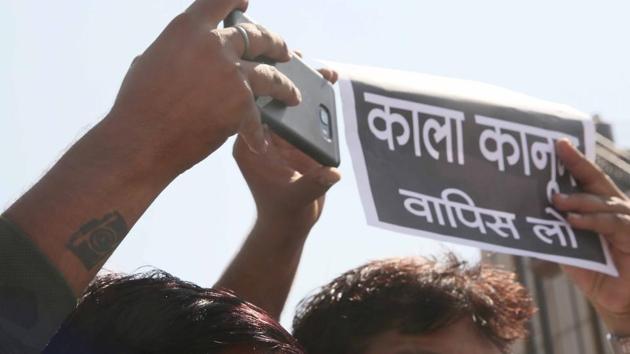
465, 162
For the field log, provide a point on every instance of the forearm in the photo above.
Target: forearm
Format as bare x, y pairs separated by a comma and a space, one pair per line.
109, 173
263, 270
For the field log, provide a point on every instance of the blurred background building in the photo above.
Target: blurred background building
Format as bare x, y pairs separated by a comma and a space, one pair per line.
565, 322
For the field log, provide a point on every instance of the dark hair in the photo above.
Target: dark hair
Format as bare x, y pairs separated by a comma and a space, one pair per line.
413, 296
157, 313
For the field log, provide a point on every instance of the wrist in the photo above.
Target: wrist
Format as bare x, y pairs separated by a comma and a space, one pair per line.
283, 226
140, 149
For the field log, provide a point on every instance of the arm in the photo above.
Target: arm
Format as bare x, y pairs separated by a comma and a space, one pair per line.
604, 209
179, 102
289, 190
264, 268
99, 184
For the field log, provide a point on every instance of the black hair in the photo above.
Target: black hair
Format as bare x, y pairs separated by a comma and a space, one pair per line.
157, 313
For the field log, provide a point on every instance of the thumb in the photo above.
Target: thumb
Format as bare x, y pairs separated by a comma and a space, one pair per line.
252, 132
315, 183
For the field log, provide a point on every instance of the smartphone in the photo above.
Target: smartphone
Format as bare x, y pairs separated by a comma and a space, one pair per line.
310, 126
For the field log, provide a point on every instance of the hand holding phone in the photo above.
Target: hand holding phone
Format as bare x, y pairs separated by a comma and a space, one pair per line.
310, 126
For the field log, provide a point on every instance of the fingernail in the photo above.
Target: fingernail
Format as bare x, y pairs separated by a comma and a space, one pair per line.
328, 179
574, 216
569, 142
259, 143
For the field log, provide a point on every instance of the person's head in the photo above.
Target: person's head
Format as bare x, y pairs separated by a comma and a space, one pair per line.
157, 313
415, 306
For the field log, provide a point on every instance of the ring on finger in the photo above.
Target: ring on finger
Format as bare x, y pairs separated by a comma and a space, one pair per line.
245, 36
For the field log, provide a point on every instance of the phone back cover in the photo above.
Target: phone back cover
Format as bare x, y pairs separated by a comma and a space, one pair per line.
300, 125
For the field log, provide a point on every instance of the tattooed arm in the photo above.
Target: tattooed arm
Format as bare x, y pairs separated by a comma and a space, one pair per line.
180, 100
80, 211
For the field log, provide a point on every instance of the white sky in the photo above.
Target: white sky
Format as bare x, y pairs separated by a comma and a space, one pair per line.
62, 62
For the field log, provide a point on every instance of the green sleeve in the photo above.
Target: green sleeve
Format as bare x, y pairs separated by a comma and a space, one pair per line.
34, 297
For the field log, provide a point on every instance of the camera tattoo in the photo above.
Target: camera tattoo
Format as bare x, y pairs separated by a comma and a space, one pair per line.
96, 239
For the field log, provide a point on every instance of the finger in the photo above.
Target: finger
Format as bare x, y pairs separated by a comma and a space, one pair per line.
294, 158
590, 203
316, 183
262, 43
602, 223
589, 175
289, 159
329, 74
251, 131
241, 151
614, 227
135, 61
266, 80
238, 149
214, 11
264, 169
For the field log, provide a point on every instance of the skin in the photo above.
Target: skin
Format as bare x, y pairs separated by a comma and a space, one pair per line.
605, 209
289, 191
165, 121
180, 100
602, 208
468, 340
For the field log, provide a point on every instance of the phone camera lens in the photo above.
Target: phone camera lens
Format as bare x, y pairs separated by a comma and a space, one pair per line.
324, 120
324, 117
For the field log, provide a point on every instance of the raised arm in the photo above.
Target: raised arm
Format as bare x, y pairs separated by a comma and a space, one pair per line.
289, 190
604, 209
181, 99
